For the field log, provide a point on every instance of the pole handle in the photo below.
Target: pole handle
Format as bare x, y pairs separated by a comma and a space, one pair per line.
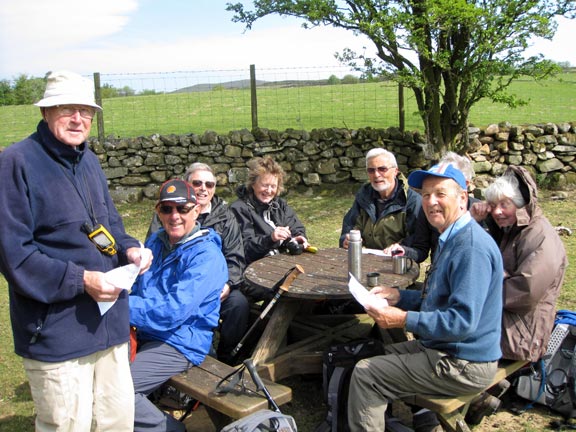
296, 271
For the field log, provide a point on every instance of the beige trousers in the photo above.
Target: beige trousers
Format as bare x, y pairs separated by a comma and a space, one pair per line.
91, 393
407, 369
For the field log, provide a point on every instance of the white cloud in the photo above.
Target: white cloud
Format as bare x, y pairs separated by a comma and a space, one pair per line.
562, 47
279, 47
41, 35
32, 32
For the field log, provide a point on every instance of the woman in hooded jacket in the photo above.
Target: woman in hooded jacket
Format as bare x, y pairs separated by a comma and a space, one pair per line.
534, 262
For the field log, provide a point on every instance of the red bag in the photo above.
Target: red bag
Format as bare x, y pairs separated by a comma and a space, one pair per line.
133, 344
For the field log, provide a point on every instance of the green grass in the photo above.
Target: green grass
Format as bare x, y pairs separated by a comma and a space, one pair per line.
322, 214
352, 106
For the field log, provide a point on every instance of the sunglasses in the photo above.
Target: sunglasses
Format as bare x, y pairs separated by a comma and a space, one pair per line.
381, 170
198, 183
167, 210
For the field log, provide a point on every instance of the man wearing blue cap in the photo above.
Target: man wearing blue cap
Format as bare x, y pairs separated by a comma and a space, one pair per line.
457, 314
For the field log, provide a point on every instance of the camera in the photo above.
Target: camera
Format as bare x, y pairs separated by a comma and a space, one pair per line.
293, 247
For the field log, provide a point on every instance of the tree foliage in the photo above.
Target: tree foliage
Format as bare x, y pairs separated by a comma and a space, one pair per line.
26, 90
450, 53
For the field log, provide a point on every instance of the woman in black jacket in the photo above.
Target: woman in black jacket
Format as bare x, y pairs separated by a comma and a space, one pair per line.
268, 224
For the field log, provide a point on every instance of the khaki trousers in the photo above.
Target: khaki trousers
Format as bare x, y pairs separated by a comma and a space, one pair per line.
408, 368
91, 393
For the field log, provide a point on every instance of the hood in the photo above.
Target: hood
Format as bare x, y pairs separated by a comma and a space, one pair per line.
529, 191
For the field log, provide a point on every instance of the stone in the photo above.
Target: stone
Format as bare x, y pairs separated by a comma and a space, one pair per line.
492, 129
549, 165
327, 167
311, 179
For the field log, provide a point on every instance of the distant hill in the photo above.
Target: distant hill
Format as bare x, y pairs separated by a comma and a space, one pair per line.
244, 84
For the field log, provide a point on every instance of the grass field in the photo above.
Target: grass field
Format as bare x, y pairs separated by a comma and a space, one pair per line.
322, 214
345, 106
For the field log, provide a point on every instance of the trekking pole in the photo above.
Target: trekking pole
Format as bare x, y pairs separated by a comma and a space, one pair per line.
282, 286
259, 384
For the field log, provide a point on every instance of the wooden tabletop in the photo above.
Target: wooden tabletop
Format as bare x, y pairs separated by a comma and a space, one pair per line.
326, 273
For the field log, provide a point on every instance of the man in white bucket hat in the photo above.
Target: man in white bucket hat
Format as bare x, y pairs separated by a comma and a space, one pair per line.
60, 234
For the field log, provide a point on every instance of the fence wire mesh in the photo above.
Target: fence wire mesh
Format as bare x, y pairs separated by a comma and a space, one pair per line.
183, 102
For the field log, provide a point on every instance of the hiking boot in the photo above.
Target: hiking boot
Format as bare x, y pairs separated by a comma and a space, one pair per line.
499, 389
483, 405
426, 422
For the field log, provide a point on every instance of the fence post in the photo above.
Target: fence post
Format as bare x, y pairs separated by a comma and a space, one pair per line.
401, 107
253, 98
99, 114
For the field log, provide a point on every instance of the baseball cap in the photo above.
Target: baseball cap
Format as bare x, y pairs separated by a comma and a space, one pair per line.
178, 191
444, 170
68, 88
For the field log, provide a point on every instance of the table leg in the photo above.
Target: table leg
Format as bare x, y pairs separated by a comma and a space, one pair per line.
276, 330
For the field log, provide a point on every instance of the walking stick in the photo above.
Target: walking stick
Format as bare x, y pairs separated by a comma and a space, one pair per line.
282, 286
259, 384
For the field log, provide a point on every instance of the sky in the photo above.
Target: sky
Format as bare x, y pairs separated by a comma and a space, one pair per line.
142, 36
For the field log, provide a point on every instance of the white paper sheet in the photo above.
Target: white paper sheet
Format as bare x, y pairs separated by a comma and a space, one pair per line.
377, 252
362, 295
122, 277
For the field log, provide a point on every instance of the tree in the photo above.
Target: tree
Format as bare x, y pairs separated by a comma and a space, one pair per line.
27, 90
6, 93
450, 53
333, 80
350, 79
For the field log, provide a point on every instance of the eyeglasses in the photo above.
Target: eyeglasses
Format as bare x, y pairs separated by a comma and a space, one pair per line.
67, 111
381, 170
198, 183
167, 210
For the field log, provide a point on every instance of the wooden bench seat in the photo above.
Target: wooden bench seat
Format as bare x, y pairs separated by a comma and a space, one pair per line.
451, 411
200, 383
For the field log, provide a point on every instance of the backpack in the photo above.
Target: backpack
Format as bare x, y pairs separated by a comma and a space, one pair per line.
553, 381
263, 420
338, 363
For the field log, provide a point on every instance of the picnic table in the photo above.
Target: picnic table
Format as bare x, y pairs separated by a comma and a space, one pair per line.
326, 278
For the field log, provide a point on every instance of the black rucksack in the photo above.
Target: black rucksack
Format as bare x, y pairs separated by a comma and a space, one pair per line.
338, 363
552, 381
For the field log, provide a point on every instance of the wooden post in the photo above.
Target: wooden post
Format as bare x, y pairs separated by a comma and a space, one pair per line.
401, 119
253, 99
99, 114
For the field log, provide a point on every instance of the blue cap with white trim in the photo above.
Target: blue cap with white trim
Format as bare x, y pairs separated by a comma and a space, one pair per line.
444, 170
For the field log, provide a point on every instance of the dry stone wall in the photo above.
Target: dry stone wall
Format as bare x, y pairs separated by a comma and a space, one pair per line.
135, 167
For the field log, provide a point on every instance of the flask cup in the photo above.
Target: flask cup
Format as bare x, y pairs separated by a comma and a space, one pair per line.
401, 264
372, 279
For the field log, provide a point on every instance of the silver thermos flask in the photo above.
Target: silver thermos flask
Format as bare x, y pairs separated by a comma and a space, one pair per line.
355, 254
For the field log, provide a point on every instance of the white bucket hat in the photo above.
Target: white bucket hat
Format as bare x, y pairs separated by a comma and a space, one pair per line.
68, 88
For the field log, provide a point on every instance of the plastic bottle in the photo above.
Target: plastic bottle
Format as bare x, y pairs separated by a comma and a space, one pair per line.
355, 254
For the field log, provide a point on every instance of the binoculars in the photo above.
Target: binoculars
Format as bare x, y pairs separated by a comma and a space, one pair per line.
293, 247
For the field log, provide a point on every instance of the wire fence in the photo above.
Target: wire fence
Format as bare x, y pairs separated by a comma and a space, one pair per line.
195, 101
184, 102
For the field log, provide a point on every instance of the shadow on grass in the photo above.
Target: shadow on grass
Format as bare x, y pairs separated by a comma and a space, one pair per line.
22, 393
21, 402
17, 423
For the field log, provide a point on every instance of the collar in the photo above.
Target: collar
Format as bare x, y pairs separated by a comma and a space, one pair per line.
207, 209
168, 247
454, 228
